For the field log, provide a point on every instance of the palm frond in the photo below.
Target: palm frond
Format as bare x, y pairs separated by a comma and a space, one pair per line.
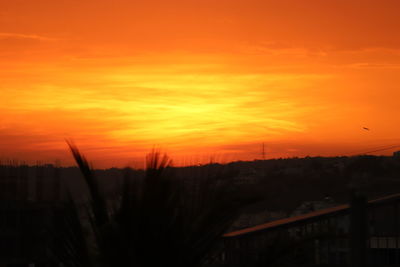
98, 202
161, 219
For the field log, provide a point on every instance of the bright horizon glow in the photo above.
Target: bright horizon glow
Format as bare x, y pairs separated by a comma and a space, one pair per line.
198, 79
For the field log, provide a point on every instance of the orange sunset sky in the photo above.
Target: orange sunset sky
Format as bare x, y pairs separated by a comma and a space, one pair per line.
200, 79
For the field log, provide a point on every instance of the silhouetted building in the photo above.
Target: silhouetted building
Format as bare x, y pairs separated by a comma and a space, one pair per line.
322, 238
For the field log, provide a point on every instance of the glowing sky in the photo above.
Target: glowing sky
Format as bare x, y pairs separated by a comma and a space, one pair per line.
197, 78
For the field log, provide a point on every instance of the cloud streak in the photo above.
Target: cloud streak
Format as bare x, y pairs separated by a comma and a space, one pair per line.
18, 36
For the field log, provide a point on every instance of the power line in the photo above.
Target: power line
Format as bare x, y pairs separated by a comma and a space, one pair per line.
375, 150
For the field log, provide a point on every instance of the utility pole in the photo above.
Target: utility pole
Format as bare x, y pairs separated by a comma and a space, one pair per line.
358, 229
263, 151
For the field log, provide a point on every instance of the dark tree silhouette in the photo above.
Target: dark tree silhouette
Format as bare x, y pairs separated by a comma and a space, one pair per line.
159, 219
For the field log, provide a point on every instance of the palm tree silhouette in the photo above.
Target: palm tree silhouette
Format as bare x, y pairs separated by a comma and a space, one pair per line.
160, 219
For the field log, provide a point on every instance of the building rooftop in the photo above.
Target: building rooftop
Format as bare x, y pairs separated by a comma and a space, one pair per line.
305, 217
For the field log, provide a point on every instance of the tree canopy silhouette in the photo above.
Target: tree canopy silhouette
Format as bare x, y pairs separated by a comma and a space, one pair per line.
159, 219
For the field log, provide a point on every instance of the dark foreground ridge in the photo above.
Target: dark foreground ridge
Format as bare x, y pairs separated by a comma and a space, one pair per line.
287, 212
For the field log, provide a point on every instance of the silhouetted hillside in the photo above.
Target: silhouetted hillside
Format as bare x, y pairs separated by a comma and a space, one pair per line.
278, 184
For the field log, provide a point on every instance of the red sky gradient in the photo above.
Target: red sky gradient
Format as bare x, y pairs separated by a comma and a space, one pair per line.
199, 79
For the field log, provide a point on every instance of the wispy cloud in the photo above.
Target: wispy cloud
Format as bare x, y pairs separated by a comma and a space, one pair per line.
368, 65
195, 107
19, 36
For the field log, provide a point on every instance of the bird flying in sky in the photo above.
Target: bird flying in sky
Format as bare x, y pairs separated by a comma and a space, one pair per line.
365, 128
